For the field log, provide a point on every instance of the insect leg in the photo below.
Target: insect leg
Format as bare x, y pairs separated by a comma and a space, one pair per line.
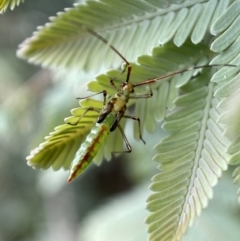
117, 119
119, 116
139, 125
104, 92
129, 69
85, 112
129, 148
148, 95
153, 80
105, 112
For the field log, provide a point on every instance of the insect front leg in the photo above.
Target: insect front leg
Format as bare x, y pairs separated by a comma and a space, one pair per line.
148, 95
128, 66
85, 112
104, 92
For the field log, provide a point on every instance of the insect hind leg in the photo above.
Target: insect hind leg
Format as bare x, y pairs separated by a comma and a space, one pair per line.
139, 125
129, 148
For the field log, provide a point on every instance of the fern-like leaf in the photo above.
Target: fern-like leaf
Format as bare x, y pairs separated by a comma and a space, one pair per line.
228, 84
194, 155
163, 59
5, 4
191, 159
61, 145
62, 44
197, 150
67, 138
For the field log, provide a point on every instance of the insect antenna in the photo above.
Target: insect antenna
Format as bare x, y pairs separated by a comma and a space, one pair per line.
128, 65
153, 80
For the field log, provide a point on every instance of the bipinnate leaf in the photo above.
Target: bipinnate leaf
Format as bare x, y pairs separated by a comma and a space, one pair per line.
62, 44
195, 106
60, 147
191, 160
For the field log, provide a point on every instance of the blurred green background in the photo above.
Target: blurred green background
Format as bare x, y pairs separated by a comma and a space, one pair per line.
105, 203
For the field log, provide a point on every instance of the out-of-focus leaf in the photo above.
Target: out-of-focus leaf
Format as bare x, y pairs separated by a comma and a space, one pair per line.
5, 4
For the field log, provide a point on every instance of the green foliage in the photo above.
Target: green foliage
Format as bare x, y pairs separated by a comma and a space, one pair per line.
5, 4
194, 106
62, 44
61, 145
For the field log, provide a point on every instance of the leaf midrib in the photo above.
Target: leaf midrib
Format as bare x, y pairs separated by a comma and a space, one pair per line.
198, 152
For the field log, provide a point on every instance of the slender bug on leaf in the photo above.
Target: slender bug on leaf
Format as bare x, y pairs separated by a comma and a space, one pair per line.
113, 111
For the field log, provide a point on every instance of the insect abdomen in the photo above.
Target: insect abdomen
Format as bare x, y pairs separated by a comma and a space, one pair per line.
90, 147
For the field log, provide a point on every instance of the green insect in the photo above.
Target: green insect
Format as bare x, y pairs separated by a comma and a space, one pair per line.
114, 110
112, 113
